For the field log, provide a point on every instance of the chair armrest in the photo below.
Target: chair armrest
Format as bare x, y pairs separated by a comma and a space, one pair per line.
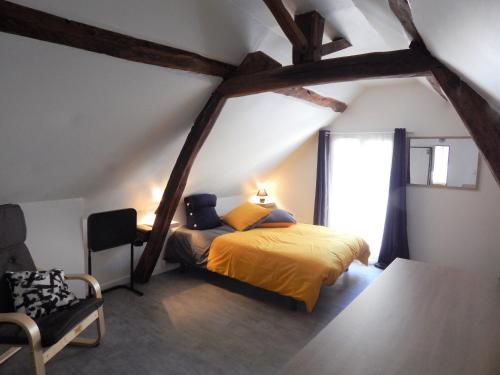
26, 323
91, 280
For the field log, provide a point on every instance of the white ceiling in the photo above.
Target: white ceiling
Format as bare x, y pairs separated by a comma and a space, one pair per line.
75, 123
463, 34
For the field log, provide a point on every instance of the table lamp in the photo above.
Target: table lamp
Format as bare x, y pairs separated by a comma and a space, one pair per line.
262, 194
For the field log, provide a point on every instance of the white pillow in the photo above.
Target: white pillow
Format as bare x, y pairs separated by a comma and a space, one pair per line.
39, 293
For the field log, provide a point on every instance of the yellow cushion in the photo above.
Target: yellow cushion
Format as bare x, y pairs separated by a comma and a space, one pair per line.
275, 225
246, 215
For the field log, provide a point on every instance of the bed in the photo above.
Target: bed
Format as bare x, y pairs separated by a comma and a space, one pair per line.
294, 261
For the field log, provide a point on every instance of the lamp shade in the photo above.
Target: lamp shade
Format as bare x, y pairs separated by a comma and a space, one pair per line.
262, 193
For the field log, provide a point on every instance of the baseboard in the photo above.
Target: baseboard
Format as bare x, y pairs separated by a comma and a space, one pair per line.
125, 279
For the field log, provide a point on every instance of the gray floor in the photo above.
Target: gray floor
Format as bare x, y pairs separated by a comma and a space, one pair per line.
201, 323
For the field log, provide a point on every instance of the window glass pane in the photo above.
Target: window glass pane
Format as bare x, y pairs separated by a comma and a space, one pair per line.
440, 165
361, 168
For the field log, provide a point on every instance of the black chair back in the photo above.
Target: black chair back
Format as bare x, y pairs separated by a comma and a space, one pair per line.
111, 229
14, 255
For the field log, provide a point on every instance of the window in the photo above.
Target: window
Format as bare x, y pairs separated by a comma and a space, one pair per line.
440, 165
361, 168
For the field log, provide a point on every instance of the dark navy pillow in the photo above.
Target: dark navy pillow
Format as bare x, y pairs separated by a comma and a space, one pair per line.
197, 201
200, 211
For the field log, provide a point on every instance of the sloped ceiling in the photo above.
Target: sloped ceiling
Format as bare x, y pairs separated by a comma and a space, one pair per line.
463, 34
78, 124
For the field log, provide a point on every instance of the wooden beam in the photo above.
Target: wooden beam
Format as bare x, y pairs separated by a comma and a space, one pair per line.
313, 97
480, 119
27, 22
334, 46
31, 23
436, 86
176, 185
312, 24
204, 123
287, 24
402, 63
258, 62
402, 10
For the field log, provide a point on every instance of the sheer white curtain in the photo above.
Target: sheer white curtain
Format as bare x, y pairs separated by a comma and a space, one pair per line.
361, 168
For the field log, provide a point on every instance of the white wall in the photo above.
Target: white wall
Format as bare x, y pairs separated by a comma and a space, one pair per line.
292, 183
457, 228
54, 235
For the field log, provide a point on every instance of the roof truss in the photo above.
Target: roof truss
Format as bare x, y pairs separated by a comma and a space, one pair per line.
406, 63
305, 32
482, 121
32, 23
401, 63
259, 73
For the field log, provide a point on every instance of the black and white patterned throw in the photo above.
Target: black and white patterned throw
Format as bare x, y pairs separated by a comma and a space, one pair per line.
39, 293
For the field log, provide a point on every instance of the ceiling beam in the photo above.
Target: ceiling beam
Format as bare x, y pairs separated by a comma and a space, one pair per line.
402, 63
258, 61
436, 86
176, 185
402, 10
312, 24
335, 46
481, 120
314, 98
28, 22
287, 24
305, 33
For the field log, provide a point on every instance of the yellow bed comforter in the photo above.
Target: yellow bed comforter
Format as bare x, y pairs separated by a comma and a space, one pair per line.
294, 261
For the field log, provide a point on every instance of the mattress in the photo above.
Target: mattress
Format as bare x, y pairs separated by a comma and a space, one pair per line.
294, 261
191, 247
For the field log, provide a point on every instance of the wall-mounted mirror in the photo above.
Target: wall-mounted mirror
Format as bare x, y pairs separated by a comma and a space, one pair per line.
443, 162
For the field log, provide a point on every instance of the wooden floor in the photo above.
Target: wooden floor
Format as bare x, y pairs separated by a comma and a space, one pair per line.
201, 323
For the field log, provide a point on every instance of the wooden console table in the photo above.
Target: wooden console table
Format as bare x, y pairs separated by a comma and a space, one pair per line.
416, 318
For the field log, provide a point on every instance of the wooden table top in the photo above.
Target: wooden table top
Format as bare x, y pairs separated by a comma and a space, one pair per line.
416, 318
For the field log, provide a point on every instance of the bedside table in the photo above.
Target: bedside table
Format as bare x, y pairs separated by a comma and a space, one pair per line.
143, 232
267, 205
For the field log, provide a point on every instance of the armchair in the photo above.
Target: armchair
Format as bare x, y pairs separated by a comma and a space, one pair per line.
47, 335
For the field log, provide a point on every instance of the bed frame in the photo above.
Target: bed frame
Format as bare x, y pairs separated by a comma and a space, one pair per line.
293, 303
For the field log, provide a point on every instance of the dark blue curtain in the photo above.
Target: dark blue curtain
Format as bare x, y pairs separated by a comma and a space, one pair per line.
321, 204
395, 238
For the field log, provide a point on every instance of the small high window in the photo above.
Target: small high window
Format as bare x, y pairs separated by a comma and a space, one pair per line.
440, 165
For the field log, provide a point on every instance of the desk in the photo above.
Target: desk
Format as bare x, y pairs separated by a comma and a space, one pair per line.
415, 319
